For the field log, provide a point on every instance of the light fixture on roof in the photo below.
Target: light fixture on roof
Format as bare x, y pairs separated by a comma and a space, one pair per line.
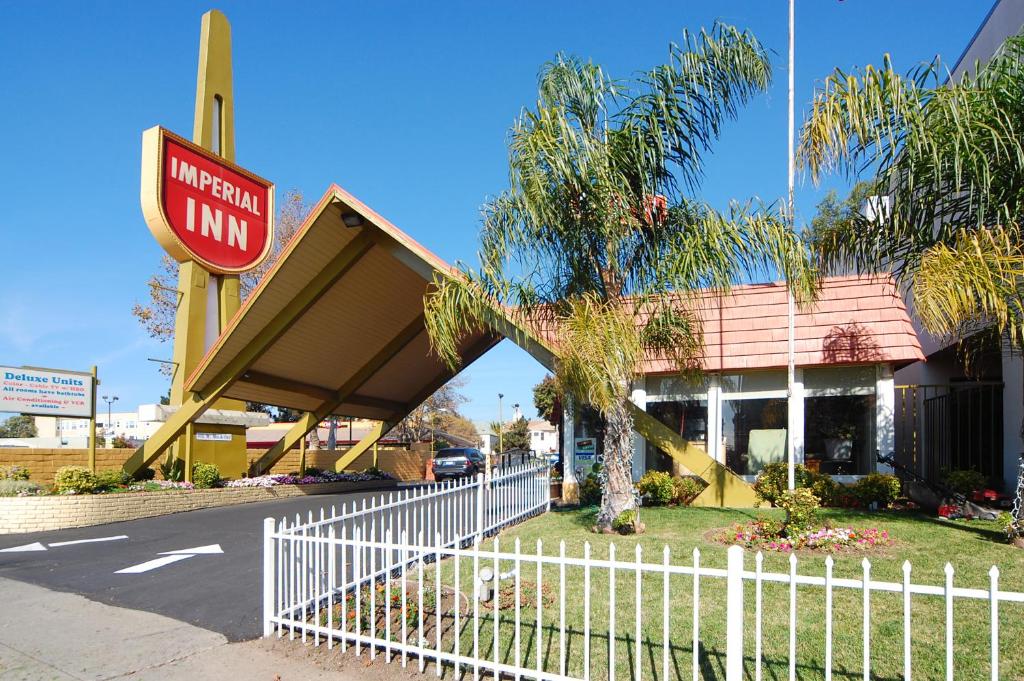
352, 219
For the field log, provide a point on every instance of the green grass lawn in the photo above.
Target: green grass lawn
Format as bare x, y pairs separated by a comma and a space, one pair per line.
971, 547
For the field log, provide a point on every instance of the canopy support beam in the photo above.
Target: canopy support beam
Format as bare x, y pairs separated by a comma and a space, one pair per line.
195, 404
311, 419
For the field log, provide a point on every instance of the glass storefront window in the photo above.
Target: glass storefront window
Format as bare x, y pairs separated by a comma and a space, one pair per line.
688, 418
754, 381
839, 434
754, 433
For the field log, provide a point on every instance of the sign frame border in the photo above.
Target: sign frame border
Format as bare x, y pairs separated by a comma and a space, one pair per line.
94, 383
152, 205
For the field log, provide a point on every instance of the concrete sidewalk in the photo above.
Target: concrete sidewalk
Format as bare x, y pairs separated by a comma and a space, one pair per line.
49, 635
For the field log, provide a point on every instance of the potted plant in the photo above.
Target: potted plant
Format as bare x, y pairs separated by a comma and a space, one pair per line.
839, 447
556, 483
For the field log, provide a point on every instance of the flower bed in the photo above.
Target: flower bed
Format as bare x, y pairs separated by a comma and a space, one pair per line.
57, 511
319, 478
766, 535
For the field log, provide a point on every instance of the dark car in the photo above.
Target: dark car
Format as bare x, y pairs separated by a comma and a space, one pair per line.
456, 462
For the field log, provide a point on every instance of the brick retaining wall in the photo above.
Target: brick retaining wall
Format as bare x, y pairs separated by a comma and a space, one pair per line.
43, 463
40, 514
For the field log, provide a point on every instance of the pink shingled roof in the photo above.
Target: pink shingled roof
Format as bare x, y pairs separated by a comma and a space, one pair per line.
856, 320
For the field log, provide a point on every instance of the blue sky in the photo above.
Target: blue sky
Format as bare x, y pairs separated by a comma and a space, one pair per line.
406, 105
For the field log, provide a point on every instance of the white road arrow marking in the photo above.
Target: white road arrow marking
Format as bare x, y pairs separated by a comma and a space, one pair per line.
38, 546
152, 564
168, 557
209, 548
25, 547
87, 541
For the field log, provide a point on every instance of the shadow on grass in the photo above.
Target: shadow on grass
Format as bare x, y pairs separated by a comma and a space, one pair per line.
710, 661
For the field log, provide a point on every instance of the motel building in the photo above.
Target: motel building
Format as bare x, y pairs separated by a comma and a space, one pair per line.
841, 410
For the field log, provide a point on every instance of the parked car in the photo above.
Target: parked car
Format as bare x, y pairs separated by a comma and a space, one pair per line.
456, 462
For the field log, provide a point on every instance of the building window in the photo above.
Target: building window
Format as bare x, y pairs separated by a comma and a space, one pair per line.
686, 417
754, 433
839, 420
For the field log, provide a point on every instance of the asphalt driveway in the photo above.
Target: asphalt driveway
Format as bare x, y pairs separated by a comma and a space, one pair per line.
217, 587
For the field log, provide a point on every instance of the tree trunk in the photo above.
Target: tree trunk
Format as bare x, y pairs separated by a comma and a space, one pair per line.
617, 473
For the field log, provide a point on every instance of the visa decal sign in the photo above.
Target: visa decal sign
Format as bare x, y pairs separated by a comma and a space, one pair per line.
201, 207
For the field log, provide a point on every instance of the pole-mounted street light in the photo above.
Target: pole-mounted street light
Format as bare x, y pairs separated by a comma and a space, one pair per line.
501, 427
110, 426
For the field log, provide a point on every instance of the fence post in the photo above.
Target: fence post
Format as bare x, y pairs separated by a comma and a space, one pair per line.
479, 506
268, 576
734, 615
547, 488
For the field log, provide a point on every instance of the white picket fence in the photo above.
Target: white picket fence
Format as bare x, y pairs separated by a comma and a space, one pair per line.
385, 587
453, 513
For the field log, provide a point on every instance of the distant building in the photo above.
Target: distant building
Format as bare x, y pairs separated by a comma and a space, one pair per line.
543, 437
56, 432
489, 439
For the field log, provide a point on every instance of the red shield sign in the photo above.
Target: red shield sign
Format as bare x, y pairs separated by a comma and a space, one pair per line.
201, 207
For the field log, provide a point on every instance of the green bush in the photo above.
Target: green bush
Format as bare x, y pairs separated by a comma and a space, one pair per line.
625, 522
172, 469
14, 473
108, 480
773, 481
311, 471
590, 491
964, 481
828, 491
801, 508
877, 488
74, 480
686, 489
144, 474
10, 487
656, 488
205, 475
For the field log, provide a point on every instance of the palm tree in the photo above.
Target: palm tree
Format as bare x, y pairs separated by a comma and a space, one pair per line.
599, 224
949, 157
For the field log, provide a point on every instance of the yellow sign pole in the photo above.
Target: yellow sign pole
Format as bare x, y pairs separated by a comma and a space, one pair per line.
207, 302
92, 425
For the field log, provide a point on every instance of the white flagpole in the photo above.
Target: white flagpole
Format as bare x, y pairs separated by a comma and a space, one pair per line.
791, 374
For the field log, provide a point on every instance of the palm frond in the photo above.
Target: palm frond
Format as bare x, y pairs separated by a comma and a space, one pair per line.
974, 283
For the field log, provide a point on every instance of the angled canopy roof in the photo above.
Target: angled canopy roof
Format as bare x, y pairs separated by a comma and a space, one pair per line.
337, 324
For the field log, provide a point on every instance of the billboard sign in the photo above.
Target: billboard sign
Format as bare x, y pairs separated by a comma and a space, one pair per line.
202, 207
46, 392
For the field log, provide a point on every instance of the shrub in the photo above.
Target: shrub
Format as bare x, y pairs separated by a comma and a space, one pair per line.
144, 474
773, 481
311, 470
14, 473
172, 469
964, 481
877, 488
10, 487
108, 480
121, 442
686, 489
801, 508
828, 491
625, 522
74, 480
656, 487
205, 475
590, 491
